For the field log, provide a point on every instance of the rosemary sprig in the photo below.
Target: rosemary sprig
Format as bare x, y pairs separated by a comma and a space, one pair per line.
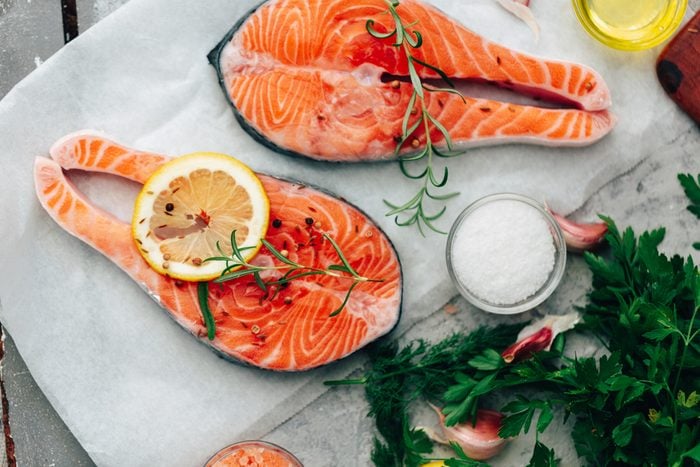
408, 40
236, 267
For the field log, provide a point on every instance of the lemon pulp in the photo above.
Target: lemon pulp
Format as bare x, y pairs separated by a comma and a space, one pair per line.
189, 209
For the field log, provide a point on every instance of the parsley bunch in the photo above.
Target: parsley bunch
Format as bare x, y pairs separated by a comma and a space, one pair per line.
638, 404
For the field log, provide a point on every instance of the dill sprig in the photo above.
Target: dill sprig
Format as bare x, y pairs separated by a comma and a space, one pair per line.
415, 208
236, 266
400, 376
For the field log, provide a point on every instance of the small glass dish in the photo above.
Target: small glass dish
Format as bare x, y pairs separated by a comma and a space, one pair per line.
253, 447
549, 285
630, 24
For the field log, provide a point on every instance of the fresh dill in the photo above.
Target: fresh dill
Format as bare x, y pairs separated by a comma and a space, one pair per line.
399, 377
637, 405
408, 40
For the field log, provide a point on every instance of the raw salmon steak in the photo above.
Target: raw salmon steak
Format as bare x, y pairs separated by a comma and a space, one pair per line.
306, 78
290, 332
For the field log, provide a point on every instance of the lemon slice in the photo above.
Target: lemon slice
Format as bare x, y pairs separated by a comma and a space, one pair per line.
190, 204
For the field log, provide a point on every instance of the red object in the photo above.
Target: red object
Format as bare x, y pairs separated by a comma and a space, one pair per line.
678, 68
524, 348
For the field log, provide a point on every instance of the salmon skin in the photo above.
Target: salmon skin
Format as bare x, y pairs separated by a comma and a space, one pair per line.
290, 332
305, 77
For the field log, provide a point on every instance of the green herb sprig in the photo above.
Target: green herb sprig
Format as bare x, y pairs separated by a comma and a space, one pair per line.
399, 377
236, 267
407, 40
638, 405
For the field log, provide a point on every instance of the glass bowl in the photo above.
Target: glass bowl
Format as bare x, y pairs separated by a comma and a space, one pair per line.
219, 459
549, 285
630, 24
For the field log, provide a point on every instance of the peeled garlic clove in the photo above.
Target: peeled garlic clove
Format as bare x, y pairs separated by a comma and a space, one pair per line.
580, 236
539, 336
479, 441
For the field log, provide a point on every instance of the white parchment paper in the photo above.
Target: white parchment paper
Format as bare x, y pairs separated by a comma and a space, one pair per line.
135, 388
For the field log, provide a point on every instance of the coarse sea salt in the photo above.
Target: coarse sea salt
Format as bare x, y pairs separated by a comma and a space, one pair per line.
503, 252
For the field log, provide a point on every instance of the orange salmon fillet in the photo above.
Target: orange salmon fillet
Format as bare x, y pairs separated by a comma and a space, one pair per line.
291, 332
305, 77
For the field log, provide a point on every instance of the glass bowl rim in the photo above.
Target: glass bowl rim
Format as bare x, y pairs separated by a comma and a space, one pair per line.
555, 275
221, 453
638, 45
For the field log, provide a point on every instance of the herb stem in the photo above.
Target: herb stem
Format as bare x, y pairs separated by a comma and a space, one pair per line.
686, 343
346, 382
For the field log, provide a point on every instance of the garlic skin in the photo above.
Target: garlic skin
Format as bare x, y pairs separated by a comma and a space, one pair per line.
479, 441
580, 236
520, 9
539, 336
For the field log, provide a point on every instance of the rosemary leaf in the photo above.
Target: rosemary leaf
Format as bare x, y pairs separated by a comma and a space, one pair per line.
277, 254
407, 117
415, 79
377, 34
203, 296
437, 70
233, 275
345, 301
342, 257
260, 283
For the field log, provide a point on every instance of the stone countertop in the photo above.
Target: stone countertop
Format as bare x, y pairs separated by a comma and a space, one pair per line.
334, 429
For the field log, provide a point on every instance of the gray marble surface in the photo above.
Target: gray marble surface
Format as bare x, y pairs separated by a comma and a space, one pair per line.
334, 429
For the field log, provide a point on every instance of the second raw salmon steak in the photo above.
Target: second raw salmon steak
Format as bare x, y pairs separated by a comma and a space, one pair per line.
305, 77
291, 331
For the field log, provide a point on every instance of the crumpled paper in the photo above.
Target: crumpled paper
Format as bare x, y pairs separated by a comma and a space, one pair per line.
135, 388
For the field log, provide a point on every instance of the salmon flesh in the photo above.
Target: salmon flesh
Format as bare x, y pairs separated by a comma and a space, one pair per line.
291, 331
306, 78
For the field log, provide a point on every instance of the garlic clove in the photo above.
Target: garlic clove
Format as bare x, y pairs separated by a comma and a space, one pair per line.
580, 236
524, 348
480, 440
520, 9
539, 336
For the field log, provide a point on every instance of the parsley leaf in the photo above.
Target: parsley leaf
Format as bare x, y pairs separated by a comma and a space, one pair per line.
691, 187
542, 456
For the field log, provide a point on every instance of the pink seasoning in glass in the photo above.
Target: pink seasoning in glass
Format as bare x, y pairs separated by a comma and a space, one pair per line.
253, 454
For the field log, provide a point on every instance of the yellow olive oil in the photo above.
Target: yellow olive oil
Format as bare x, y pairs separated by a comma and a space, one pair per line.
630, 24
